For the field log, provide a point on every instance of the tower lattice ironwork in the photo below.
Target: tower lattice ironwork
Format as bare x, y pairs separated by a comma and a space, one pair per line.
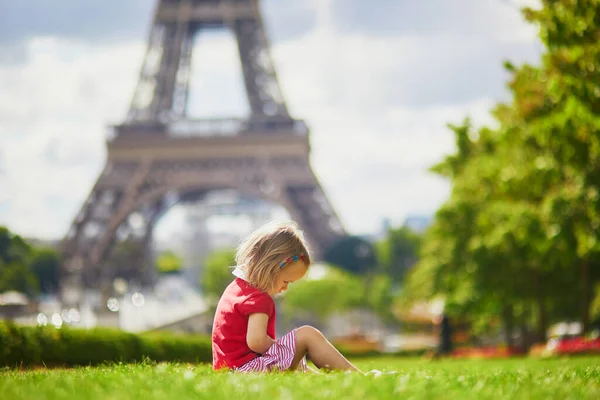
159, 157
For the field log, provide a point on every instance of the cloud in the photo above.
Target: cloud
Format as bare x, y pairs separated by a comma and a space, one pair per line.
377, 105
112, 21
414, 71
104, 20
376, 166
289, 20
370, 151
490, 19
52, 128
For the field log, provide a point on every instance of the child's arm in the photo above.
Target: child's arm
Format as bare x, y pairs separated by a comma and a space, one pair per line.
256, 337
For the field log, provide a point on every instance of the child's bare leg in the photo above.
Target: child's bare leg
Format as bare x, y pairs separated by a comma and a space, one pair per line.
312, 342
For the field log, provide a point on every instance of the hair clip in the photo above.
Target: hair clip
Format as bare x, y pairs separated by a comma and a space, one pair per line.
294, 258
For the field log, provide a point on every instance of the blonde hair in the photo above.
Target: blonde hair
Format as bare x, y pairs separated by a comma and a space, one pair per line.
261, 252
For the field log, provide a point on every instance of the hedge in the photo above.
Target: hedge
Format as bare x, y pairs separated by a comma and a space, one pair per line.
23, 346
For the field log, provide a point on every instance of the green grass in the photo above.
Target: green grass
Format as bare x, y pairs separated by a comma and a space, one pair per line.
575, 378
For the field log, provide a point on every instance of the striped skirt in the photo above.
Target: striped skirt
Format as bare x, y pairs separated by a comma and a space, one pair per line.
279, 357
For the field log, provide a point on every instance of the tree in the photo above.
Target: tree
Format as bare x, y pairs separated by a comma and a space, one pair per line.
398, 252
336, 292
520, 230
17, 276
353, 254
15, 255
568, 129
13, 248
45, 265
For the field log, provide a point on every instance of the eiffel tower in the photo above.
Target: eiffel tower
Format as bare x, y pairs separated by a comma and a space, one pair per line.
159, 156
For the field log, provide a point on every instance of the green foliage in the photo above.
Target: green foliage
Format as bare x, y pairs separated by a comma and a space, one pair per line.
595, 308
13, 249
520, 233
17, 276
45, 265
27, 346
217, 273
336, 292
15, 256
379, 296
168, 262
353, 254
398, 253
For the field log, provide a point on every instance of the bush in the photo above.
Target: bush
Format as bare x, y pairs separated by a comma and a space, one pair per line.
171, 347
28, 346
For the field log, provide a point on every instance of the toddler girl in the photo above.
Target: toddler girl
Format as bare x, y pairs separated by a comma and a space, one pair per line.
243, 336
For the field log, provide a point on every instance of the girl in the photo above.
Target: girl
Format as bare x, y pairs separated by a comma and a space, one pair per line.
243, 336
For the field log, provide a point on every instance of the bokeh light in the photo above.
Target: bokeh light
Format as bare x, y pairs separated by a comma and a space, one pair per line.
138, 299
113, 304
56, 320
42, 320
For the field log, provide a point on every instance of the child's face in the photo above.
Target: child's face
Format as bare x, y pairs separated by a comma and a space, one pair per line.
290, 273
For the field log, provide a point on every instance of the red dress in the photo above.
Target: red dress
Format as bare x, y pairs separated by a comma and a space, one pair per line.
230, 325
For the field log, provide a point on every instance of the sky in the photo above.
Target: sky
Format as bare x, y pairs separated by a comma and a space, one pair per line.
376, 81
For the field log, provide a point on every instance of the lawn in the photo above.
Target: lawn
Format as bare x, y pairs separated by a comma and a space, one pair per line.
574, 378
